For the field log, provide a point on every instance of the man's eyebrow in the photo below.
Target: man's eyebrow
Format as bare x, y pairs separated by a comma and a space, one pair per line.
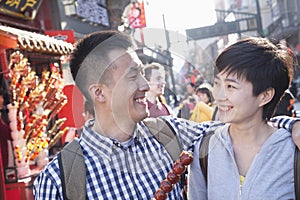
135, 68
139, 67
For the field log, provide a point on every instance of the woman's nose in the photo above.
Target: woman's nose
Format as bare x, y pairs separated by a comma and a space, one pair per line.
219, 93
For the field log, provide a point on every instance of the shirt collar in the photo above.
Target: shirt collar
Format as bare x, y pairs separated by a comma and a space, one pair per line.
100, 144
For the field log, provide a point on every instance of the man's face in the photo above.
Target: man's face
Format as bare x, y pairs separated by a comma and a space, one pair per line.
126, 95
157, 82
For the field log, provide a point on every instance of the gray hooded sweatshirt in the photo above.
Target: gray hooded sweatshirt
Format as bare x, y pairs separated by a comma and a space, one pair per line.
270, 176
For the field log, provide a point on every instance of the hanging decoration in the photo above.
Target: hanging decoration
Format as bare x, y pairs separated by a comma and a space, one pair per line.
35, 103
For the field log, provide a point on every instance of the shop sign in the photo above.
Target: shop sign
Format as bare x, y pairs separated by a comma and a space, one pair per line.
22, 8
65, 35
92, 11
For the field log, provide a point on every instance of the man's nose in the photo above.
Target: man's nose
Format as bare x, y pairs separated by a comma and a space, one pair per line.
144, 84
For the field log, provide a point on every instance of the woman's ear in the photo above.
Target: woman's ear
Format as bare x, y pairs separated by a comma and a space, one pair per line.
96, 92
266, 96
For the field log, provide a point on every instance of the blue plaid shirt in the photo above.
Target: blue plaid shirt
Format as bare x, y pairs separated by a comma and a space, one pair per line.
130, 170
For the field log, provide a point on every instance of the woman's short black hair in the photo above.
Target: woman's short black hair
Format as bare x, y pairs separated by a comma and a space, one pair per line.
261, 62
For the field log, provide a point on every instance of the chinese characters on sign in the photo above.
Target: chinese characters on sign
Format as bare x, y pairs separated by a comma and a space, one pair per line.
20, 8
136, 15
93, 11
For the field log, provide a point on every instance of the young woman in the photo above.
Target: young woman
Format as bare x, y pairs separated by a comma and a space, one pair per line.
248, 159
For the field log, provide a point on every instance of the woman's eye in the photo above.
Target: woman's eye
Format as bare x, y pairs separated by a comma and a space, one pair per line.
231, 86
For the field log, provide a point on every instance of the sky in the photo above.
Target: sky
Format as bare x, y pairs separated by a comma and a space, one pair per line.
179, 15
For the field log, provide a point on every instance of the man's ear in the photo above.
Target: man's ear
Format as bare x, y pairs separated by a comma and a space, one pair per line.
96, 92
266, 96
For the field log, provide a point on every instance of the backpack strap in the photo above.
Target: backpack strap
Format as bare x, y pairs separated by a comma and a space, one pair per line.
204, 148
297, 173
166, 135
72, 171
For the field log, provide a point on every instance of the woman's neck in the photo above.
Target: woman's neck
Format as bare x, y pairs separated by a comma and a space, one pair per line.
250, 134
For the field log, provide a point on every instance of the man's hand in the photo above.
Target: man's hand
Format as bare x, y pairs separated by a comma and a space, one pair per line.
296, 133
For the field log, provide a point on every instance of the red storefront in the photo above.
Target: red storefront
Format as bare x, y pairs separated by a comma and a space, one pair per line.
23, 29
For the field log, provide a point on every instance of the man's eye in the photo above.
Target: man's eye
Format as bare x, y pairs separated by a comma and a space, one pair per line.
133, 76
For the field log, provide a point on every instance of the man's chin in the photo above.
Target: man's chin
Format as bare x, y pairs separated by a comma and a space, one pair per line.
139, 117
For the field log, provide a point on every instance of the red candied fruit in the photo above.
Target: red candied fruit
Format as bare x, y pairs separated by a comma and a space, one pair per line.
160, 194
178, 168
173, 177
186, 158
166, 186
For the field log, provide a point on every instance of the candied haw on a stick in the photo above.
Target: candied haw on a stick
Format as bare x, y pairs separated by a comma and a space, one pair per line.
178, 167
160, 195
186, 158
166, 186
173, 176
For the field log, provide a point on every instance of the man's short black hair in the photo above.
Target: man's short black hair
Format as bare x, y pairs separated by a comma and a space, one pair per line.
90, 57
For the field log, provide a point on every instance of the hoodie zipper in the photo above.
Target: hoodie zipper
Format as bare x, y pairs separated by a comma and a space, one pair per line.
239, 195
240, 192
240, 185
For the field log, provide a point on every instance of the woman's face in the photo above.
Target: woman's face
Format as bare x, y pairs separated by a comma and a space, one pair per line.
203, 97
235, 100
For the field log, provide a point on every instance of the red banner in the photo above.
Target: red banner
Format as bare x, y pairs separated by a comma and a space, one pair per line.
136, 15
65, 35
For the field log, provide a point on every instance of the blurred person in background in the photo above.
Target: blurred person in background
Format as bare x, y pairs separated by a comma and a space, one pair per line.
203, 110
189, 102
157, 105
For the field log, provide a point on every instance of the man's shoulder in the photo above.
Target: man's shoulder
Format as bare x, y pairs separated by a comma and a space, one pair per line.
50, 172
52, 166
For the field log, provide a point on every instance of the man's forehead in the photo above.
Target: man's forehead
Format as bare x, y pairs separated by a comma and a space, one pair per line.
124, 55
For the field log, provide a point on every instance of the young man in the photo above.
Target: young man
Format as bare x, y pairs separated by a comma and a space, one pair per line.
123, 159
155, 75
247, 158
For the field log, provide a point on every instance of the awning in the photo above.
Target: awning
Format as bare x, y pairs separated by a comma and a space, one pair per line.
31, 41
